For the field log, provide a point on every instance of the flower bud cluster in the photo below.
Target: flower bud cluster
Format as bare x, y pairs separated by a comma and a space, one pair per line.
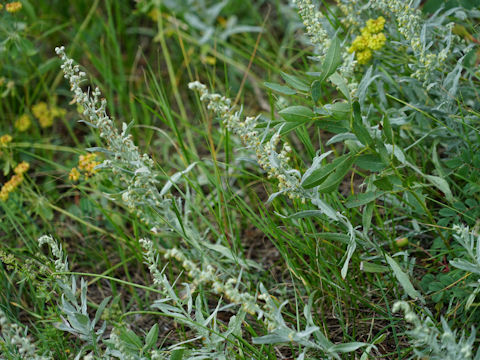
5, 140
208, 276
276, 164
14, 336
86, 166
371, 39
350, 12
133, 169
312, 19
430, 342
61, 263
410, 26
14, 181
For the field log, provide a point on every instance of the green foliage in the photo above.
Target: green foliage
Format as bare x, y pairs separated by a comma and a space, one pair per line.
283, 223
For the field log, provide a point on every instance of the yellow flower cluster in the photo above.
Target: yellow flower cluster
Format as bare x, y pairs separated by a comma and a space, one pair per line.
13, 7
370, 40
5, 139
86, 164
45, 114
14, 181
23, 122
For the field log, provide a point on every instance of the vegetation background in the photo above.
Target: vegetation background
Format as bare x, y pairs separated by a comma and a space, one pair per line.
228, 270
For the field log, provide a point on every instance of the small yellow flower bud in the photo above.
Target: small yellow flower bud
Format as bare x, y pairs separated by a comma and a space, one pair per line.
364, 56
23, 123
5, 139
74, 174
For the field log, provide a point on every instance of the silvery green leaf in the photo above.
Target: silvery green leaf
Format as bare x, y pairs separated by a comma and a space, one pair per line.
316, 163
466, 266
83, 295
100, 309
307, 332
151, 338
301, 214
174, 178
341, 84
367, 79
275, 337
347, 347
126, 128
198, 310
352, 245
442, 185
325, 208
273, 196
333, 59
142, 170
99, 149
130, 338
88, 123
403, 279
213, 11
239, 29
341, 137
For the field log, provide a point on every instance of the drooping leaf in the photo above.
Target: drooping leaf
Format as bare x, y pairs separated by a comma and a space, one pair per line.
404, 280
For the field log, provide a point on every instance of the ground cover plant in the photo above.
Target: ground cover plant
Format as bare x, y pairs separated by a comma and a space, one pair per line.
230, 179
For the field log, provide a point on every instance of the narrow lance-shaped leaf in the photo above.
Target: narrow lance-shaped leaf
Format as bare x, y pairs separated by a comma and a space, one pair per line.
333, 59
404, 280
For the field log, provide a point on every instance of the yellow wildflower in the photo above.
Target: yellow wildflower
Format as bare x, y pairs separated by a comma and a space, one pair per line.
364, 56
23, 123
13, 7
375, 26
21, 168
371, 39
154, 14
359, 43
3, 195
10, 186
1, 6
376, 41
58, 112
5, 139
86, 167
87, 163
43, 114
74, 174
